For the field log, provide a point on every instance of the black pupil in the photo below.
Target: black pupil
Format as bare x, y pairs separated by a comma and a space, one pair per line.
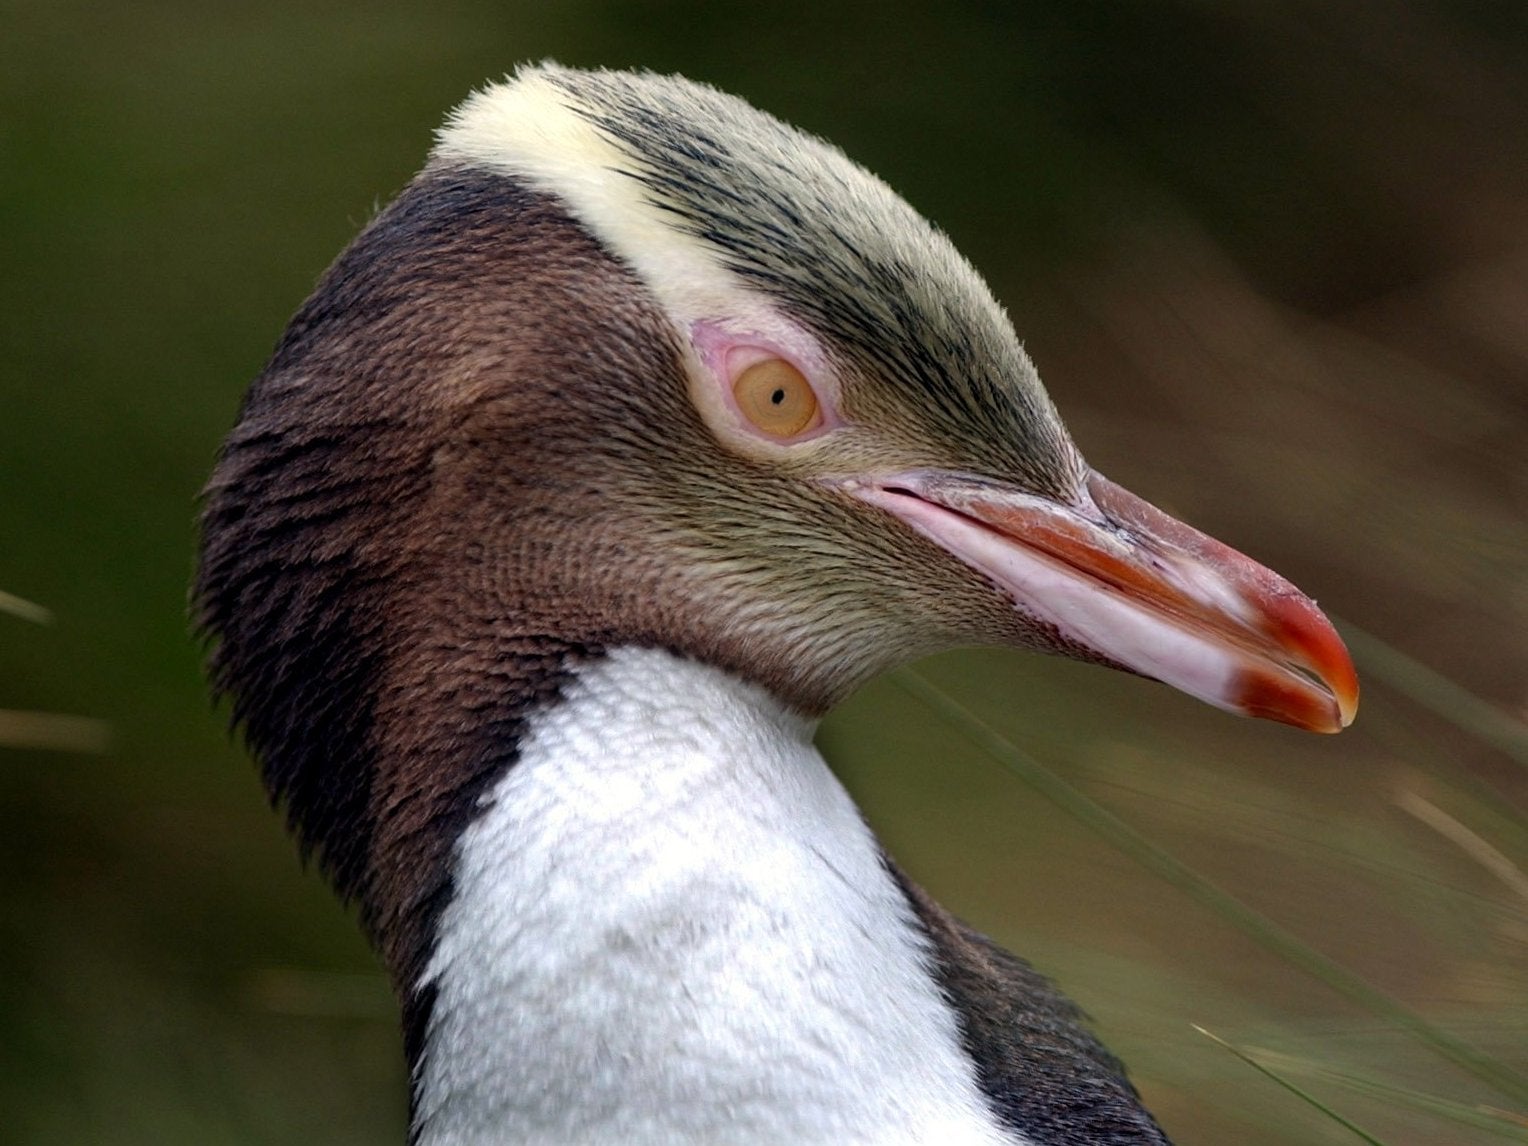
777, 397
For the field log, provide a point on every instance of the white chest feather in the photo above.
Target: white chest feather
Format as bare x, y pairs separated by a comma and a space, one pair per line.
671, 926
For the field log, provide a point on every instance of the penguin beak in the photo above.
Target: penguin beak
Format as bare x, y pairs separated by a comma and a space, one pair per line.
1120, 579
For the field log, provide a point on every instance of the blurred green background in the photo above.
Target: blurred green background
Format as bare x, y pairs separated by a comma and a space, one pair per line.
1272, 260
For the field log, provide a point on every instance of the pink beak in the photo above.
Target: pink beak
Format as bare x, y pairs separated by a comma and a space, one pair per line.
1117, 576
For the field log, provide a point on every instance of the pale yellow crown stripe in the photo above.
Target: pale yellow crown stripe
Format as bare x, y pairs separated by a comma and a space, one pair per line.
530, 128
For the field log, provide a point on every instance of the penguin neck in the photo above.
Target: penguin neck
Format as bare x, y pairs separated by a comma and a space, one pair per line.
669, 923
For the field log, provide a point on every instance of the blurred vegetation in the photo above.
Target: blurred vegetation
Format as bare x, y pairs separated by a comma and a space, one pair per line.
1273, 262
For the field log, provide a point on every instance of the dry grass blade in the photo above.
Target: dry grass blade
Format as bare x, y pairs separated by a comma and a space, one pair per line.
1263, 930
1304, 1095
26, 610
1466, 840
49, 730
1499, 1123
55, 731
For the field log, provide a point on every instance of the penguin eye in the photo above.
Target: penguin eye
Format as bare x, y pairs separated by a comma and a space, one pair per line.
776, 398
